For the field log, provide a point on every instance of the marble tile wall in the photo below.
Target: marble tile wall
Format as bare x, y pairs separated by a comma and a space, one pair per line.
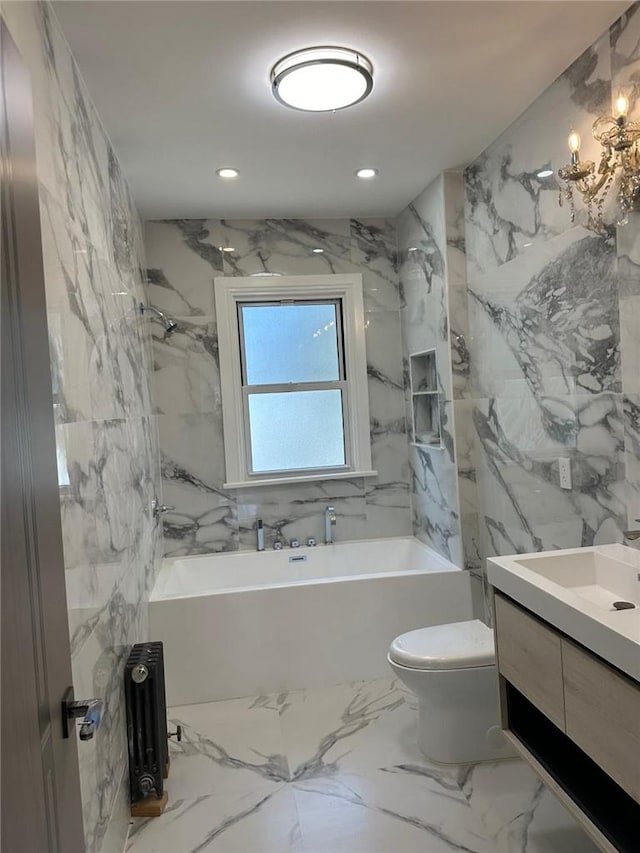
431, 249
554, 325
106, 441
183, 258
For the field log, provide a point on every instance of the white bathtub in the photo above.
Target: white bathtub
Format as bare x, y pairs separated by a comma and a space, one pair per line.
247, 623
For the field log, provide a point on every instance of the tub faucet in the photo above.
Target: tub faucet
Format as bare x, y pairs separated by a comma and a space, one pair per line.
329, 521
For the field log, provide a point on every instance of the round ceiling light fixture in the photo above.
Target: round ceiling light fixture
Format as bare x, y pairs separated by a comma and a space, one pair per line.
227, 172
322, 79
366, 173
545, 173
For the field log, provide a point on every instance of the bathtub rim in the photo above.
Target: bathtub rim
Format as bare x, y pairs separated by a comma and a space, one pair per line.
444, 567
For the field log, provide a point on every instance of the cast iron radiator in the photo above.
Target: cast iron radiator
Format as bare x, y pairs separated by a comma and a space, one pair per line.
146, 720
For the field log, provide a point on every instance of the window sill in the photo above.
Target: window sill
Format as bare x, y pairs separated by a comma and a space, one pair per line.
305, 478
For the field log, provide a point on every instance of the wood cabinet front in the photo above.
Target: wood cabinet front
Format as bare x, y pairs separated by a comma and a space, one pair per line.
530, 657
603, 715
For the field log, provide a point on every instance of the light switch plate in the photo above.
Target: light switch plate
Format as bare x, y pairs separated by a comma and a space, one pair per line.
564, 466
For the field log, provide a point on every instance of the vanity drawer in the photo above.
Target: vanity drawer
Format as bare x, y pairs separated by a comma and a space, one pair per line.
603, 715
530, 657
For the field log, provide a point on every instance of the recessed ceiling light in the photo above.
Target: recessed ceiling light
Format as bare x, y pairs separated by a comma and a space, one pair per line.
227, 172
412, 249
318, 251
322, 79
227, 249
545, 173
367, 173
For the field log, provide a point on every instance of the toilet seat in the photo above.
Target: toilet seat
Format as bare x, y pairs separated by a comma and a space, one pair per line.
457, 645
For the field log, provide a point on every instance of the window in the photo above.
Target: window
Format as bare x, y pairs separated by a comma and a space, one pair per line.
294, 380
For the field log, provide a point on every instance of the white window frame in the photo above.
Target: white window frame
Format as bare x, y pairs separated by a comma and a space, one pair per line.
229, 292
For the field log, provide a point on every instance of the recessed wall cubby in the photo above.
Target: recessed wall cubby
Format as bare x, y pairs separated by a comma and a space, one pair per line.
425, 400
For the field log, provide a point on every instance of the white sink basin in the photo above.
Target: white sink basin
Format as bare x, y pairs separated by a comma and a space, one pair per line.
575, 591
597, 576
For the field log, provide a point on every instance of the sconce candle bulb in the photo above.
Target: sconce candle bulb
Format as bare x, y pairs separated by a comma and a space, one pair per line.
574, 142
622, 106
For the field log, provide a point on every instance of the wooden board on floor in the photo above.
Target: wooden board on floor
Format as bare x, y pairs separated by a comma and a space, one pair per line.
150, 806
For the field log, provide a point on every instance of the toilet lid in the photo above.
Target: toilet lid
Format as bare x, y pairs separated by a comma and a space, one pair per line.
453, 646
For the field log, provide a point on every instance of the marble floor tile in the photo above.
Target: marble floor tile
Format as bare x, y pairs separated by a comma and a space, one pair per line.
520, 813
227, 746
338, 770
253, 822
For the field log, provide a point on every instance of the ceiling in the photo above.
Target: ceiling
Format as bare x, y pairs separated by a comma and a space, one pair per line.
183, 89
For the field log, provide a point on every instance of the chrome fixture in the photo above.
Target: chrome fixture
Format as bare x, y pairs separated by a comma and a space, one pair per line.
157, 509
322, 79
619, 139
311, 542
278, 540
90, 710
330, 519
295, 543
169, 324
259, 535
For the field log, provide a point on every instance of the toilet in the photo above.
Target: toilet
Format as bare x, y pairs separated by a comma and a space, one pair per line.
452, 670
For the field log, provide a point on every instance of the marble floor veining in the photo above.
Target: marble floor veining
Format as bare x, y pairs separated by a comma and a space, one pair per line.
337, 770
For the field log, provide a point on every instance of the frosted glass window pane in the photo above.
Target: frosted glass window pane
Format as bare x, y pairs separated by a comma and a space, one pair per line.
290, 343
296, 429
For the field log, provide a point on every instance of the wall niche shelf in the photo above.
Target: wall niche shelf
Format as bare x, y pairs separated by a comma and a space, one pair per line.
426, 430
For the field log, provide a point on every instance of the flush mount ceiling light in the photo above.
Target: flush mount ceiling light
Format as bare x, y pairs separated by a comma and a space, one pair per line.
227, 249
227, 173
322, 79
366, 173
545, 173
318, 251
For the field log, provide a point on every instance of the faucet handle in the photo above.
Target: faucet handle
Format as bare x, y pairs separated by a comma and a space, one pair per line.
278, 539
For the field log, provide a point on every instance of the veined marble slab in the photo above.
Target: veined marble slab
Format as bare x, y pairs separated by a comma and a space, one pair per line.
338, 770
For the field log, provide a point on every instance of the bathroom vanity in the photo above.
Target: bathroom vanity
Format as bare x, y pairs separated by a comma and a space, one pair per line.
567, 627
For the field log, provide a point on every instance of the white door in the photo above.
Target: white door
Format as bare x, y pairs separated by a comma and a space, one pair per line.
40, 786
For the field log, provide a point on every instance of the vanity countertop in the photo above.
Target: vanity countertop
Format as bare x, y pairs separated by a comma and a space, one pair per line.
574, 590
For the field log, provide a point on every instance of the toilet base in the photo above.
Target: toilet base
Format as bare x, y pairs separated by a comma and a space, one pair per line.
460, 723
458, 714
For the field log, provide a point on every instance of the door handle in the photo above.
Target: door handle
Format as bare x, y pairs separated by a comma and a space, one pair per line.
91, 711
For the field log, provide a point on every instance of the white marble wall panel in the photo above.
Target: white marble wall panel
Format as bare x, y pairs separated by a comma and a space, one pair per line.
100, 352
554, 325
184, 257
431, 248
520, 440
459, 343
508, 208
548, 322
